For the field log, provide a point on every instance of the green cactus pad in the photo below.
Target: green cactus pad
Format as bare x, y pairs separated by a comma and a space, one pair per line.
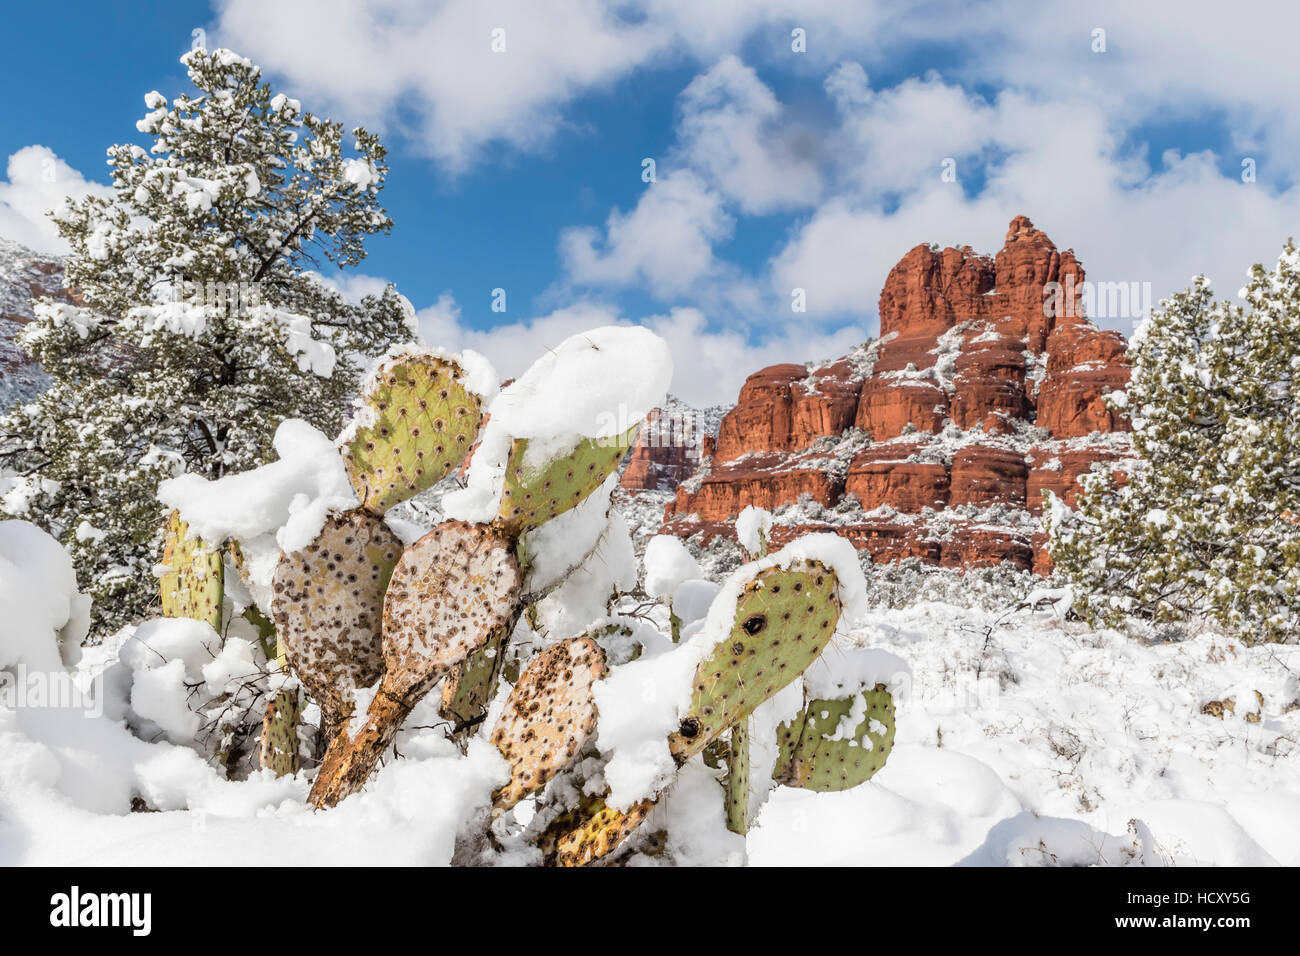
533, 495
327, 600
548, 717
469, 687
738, 778
279, 745
454, 591
819, 750
420, 423
784, 619
194, 585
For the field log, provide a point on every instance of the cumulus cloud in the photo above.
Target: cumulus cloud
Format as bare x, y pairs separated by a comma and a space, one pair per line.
1062, 162
430, 67
37, 182
456, 75
665, 241
711, 363
734, 132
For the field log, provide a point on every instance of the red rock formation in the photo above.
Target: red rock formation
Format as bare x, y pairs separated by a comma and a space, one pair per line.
24, 277
985, 475
985, 390
886, 409
882, 476
668, 448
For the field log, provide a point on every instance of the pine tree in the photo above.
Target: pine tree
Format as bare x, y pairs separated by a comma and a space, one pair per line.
200, 326
1207, 520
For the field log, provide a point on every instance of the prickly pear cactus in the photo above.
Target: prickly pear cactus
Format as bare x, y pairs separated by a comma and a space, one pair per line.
836, 744
279, 744
418, 422
601, 834
548, 717
453, 592
534, 493
737, 792
784, 619
468, 689
194, 585
327, 600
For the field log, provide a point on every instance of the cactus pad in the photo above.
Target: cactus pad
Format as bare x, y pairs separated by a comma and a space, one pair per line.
453, 591
468, 689
328, 601
738, 778
836, 744
279, 745
784, 619
548, 716
194, 585
419, 424
534, 494
601, 834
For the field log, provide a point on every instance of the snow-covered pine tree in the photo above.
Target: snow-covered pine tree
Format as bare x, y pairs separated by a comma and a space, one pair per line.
1208, 520
200, 327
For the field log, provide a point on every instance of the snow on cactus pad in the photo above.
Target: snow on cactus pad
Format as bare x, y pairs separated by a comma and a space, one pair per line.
838, 743
783, 620
548, 716
450, 594
193, 585
417, 422
596, 385
534, 494
328, 599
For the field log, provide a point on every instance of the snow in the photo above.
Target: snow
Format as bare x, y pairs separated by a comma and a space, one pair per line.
668, 563
753, 528
45, 617
289, 498
1023, 738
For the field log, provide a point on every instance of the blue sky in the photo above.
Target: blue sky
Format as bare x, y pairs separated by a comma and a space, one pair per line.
776, 170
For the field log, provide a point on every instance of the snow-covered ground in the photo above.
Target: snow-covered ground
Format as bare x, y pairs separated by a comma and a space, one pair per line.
1022, 740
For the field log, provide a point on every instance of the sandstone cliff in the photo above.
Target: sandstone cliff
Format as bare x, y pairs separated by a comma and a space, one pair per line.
938, 440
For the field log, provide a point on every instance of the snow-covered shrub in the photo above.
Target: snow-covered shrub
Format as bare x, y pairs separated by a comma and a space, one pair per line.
901, 584
1207, 521
198, 327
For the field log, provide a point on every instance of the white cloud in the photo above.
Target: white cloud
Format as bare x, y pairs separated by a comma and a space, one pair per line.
354, 286
431, 67
710, 363
1064, 167
427, 66
665, 242
734, 132
39, 181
